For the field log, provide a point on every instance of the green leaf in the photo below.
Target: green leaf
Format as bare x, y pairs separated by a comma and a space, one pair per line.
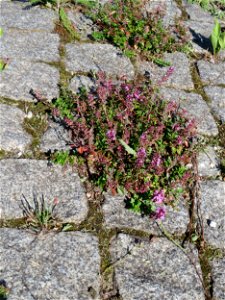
1, 32
128, 148
215, 37
161, 62
2, 65
222, 41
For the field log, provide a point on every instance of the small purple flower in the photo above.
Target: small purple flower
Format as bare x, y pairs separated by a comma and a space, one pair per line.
179, 140
111, 134
160, 213
156, 160
141, 153
158, 196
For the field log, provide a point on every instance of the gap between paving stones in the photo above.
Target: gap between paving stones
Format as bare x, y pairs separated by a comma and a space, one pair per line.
94, 218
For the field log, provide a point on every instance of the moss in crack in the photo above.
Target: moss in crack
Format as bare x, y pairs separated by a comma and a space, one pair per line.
13, 223
222, 145
206, 255
184, 14
36, 125
198, 86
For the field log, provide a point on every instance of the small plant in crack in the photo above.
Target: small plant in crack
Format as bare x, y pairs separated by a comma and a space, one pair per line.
40, 216
4, 291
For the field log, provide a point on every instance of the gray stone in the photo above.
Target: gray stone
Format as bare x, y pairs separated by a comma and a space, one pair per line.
199, 34
196, 13
20, 77
35, 46
26, 17
155, 270
169, 7
117, 216
97, 57
55, 138
82, 24
208, 163
200, 25
50, 266
217, 104
218, 277
211, 73
12, 135
196, 108
180, 78
31, 177
80, 81
212, 210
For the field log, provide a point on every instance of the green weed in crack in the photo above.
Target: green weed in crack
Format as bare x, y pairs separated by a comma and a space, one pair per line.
123, 24
38, 215
131, 142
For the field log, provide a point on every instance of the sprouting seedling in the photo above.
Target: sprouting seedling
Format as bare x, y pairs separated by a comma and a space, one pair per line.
39, 215
2, 61
217, 38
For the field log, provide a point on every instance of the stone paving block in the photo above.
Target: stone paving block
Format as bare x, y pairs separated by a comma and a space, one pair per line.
208, 163
26, 17
35, 46
59, 266
181, 77
117, 216
82, 24
169, 7
196, 108
20, 77
218, 277
155, 270
80, 81
12, 135
196, 13
217, 97
212, 210
211, 73
200, 25
55, 138
199, 33
97, 57
31, 177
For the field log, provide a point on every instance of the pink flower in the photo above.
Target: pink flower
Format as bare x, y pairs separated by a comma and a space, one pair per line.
160, 213
141, 153
156, 160
158, 196
111, 134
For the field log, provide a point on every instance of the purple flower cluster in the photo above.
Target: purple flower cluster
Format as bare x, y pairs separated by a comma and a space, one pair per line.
141, 155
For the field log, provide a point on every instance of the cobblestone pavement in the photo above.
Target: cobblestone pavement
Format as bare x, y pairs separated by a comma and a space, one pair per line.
109, 252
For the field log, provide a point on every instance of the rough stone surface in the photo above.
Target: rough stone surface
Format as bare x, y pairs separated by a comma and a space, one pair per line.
35, 46
199, 35
155, 270
218, 276
208, 163
55, 138
97, 57
31, 177
169, 7
117, 216
211, 73
217, 97
24, 16
12, 134
50, 266
212, 209
20, 77
196, 107
196, 13
181, 77
83, 25
80, 81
